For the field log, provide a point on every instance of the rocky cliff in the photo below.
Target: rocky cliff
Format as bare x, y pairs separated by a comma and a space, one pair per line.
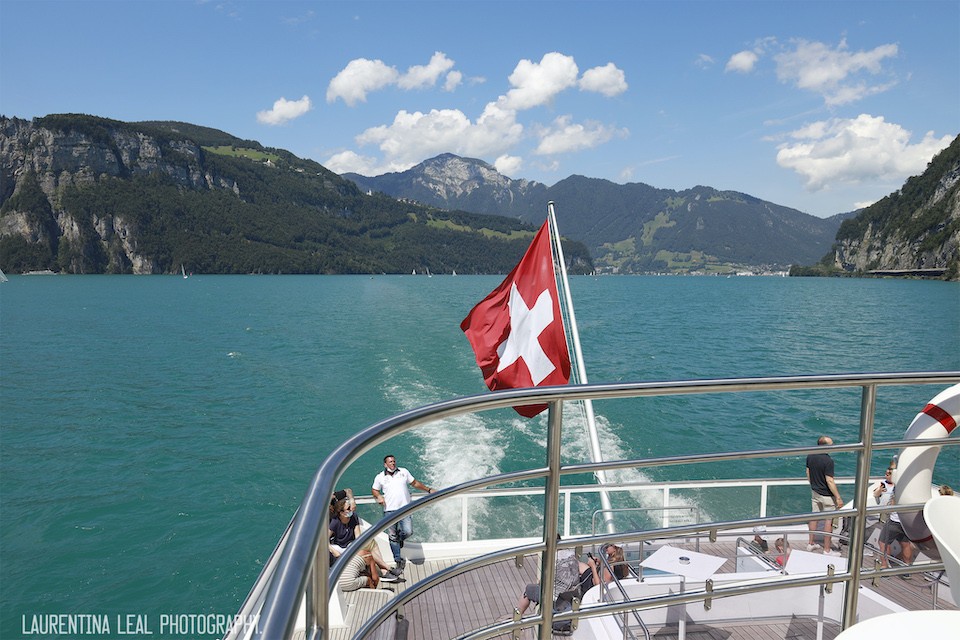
452, 182
916, 228
40, 159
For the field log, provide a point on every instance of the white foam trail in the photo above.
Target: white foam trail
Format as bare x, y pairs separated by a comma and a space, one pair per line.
453, 451
467, 447
576, 448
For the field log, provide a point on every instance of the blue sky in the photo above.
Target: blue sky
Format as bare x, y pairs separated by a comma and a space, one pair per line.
820, 106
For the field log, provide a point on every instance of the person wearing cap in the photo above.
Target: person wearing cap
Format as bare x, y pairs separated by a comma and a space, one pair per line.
337, 496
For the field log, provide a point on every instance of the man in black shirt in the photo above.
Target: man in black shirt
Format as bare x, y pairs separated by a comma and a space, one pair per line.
824, 493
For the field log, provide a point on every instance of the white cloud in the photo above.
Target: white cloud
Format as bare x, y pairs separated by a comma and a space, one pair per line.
349, 161
607, 80
454, 80
284, 111
415, 135
497, 129
411, 137
362, 76
832, 73
564, 136
742, 62
855, 150
421, 76
358, 78
508, 165
535, 84
703, 61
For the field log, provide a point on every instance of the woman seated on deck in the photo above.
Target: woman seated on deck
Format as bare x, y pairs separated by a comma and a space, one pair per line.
360, 573
345, 528
590, 570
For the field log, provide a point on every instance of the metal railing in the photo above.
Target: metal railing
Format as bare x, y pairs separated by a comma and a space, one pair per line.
303, 574
608, 591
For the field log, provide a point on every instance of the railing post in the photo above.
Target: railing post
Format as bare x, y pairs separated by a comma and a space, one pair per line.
868, 405
321, 590
464, 518
551, 511
665, 513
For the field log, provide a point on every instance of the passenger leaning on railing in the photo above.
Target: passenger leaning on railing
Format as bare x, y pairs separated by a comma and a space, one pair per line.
391, 489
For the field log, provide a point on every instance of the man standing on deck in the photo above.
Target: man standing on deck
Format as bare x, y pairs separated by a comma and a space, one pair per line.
391, 488
825, 495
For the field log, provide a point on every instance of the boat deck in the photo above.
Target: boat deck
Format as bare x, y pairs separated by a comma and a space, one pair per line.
489, 594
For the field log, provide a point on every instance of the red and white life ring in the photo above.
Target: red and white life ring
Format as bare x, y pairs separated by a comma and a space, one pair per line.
913, 477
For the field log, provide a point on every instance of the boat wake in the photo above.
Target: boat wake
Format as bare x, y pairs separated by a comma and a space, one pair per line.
467, 447
576, 449
450, 452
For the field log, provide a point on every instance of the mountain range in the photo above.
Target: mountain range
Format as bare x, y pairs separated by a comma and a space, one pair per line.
627, 228
83, 194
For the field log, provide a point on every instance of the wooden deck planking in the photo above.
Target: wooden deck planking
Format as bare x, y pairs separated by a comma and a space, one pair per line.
468, 601
487, 594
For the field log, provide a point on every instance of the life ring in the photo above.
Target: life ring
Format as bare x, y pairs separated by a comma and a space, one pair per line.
913, 477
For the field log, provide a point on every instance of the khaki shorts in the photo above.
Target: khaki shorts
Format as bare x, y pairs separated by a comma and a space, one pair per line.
824, 503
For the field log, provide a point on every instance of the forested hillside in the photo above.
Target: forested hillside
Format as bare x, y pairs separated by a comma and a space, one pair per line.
916, 229
81, 194
628, 228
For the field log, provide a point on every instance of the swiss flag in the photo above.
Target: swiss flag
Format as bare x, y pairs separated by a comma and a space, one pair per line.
517, 331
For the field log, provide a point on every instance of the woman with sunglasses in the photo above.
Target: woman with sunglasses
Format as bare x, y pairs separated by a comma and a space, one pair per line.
591, 569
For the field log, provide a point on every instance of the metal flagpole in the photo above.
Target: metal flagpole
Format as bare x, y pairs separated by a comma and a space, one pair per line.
594, 439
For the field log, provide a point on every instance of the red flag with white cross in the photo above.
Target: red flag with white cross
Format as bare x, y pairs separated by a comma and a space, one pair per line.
517, 331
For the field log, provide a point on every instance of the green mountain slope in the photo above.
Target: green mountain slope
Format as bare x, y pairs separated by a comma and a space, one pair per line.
914, 229
81, 194
628, 228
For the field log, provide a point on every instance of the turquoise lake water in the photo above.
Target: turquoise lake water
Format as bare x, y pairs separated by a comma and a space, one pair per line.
158, 433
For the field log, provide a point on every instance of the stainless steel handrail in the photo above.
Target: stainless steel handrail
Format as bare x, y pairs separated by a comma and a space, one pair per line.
304, 559
604, 587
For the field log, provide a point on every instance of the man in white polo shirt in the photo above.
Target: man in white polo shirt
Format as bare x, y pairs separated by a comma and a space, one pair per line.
391, 488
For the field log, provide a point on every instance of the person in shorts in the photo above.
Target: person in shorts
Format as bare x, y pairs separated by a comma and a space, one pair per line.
893, 532
824, 493
566, 578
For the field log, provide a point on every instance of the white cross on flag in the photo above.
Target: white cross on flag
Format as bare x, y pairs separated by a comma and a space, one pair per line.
517, 332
